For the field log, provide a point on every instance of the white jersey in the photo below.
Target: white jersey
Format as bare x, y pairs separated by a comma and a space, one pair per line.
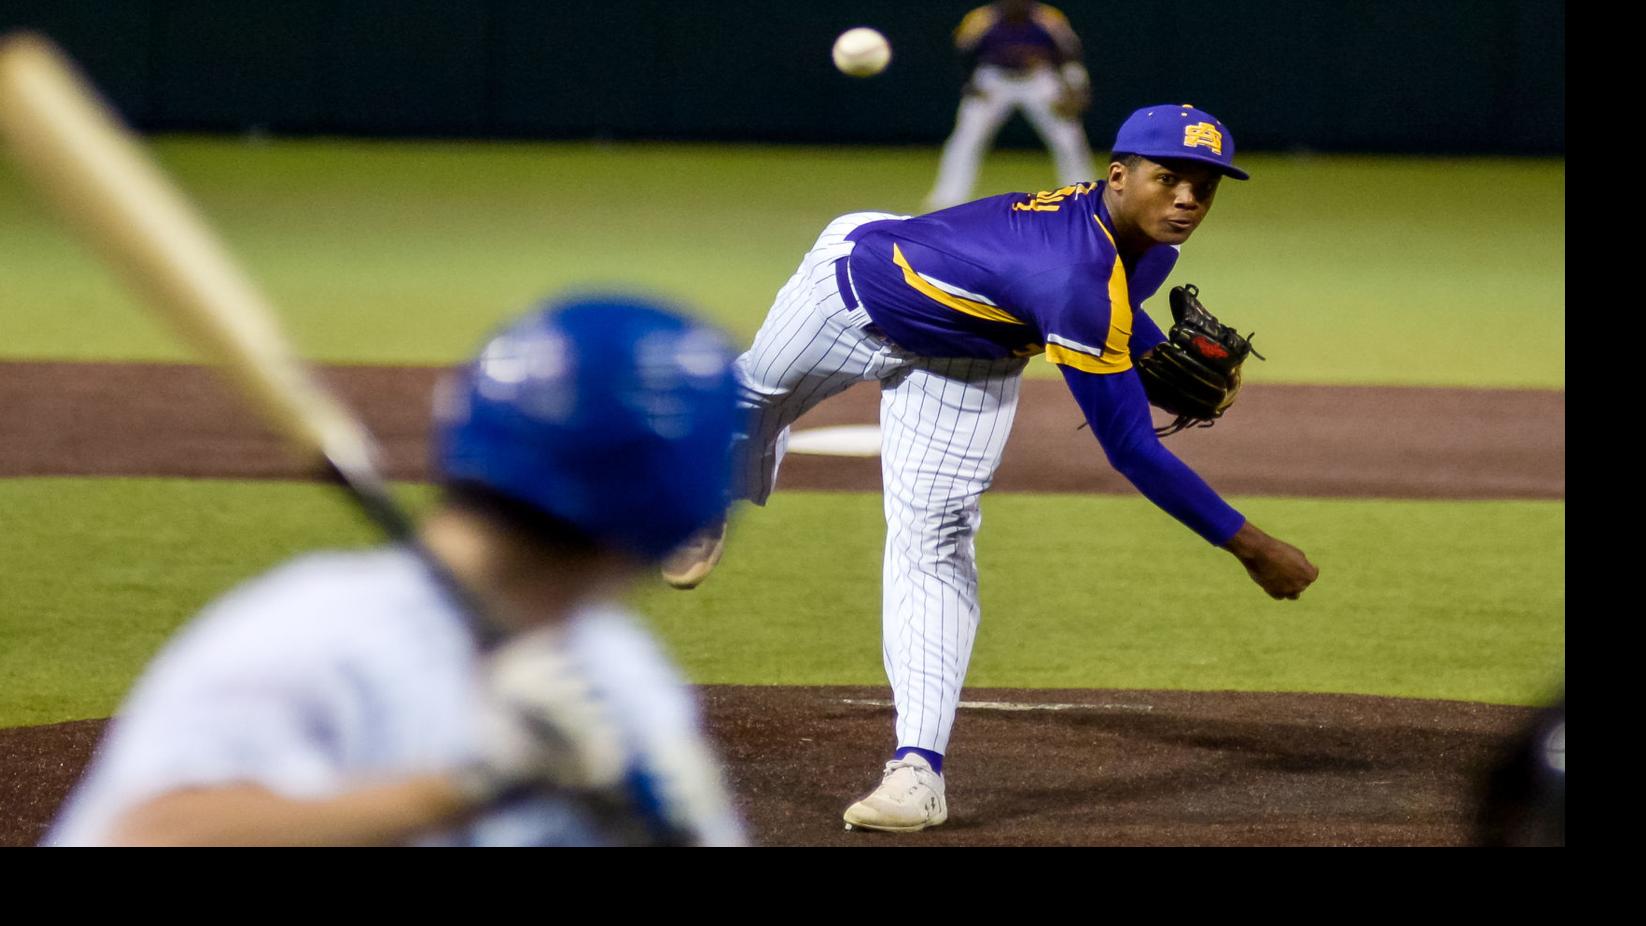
339, 668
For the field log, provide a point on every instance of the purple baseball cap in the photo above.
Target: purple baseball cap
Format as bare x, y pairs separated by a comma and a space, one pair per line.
1178, 132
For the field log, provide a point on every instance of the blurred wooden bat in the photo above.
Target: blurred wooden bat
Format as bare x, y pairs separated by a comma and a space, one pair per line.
75, 149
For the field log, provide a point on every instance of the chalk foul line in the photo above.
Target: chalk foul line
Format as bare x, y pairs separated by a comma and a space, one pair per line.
1014, 705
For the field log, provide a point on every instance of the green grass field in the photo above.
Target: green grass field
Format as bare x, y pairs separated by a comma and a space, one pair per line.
1351, 270
1420, 599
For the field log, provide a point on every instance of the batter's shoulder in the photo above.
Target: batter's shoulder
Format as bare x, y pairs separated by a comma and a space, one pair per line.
328, 602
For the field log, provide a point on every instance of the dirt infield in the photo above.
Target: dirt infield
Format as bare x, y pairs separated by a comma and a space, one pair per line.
1045, 767
1026, 767
168, 420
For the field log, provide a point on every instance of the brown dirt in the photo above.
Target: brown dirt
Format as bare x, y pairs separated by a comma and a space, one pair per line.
1108, 768
1121, 767
38, 765
171, 420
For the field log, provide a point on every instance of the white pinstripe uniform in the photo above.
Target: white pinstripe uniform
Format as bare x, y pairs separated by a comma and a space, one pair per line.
944, 424
989, 283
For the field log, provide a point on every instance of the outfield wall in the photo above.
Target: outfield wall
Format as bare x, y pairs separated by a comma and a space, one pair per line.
1454, 76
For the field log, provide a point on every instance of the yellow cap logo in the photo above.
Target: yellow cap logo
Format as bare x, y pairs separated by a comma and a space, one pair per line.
1203, 133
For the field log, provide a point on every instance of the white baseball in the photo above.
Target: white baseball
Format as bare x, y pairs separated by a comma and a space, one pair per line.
862, 52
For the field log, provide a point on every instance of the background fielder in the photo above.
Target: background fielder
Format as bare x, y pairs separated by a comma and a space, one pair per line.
345, 697
944, 311
1019, 56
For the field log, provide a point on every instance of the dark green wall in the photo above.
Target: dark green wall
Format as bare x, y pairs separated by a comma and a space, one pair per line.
1375, 75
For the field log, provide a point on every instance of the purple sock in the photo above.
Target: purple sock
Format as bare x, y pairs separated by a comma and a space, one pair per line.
935, 758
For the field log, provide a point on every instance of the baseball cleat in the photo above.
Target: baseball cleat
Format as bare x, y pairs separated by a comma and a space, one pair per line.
696, 558
910, 798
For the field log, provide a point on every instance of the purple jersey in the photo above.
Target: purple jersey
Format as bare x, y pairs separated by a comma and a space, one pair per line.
1019, 274
1011, 276
1043, 37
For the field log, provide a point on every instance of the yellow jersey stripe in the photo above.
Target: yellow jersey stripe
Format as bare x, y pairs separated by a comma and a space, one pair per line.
1119, 343
1113, 363
977, 309
1050, 18
1106, 233
973, 26
1057, 26
1117, 346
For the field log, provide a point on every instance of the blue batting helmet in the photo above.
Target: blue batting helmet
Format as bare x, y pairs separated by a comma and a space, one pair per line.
611, 413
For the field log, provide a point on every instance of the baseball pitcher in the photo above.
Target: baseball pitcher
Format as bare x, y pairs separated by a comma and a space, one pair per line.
944, 311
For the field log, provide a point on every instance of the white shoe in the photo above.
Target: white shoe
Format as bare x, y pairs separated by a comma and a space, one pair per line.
910, 798
692, 562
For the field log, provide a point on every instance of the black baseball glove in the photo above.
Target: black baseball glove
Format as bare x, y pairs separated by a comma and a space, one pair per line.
1195, 373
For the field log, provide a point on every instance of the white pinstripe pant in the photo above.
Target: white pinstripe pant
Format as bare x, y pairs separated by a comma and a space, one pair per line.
944, 424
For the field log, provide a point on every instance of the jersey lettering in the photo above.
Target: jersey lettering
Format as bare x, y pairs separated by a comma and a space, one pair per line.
1051, 200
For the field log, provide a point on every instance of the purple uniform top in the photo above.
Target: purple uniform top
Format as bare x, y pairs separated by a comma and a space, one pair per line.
1021, 274
1012, 275
1044, 37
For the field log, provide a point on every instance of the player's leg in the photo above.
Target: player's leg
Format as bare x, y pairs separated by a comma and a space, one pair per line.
944, 425
976, 123
812, 345
1063, 135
